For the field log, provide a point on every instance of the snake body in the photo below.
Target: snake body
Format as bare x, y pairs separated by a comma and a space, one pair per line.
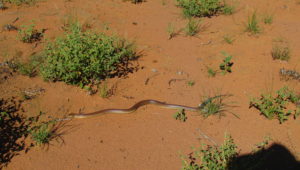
132, 109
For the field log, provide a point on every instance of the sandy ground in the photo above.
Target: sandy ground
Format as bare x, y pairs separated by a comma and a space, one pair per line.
151, 138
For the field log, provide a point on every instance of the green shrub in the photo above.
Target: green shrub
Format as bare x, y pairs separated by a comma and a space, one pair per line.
200, 8
212, 157
81, 58
276, 107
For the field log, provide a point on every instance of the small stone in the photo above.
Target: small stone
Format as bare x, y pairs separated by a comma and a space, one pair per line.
179, 72
154, 70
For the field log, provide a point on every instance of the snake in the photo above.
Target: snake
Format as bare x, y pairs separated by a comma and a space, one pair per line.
137, 106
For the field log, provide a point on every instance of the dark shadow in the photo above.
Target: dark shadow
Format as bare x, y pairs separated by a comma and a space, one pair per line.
125, 66
13, 131
15, 128
276, 157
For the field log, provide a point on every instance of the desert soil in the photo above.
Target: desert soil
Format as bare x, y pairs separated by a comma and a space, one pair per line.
151, 138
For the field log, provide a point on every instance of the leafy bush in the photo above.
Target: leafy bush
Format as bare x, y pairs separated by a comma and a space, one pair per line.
212, 157
200, 8
81, 58
205, 8
180, 115
276, 107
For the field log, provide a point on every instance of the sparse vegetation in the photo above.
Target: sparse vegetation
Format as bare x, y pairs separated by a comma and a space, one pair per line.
226, 65
268, 19
28, 34
191, 83
81, 58
281, 51
31, 67
228, 39
44, 132
171, 31
211, 72
276, 106
212, 106
212, 157
252, 24
180, 115
104, 92
193, 27
200, 8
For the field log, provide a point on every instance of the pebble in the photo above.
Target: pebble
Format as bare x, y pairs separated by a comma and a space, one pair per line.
154, 70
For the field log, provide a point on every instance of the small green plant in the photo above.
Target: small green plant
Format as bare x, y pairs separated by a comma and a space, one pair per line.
212, 106
276, 107
42, 134
171, 31
192, 28
211, 72
226, 65
252, 24
200, 8
191, 83
268, 19
82, 58
104, 92
262, 145
211, 157
228, 39
28, 34
31, 67
180, 115
281, 51
228, 9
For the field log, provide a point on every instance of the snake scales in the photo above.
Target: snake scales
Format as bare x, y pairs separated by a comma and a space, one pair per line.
138, 105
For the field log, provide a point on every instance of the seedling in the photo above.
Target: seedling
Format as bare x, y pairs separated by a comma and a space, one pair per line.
228, 39
171, 31
227, 63
191, 83
192, 28
268, 19
31, 67
104, 92
276, 106
252, 25
28, 34
228, 9
180, 115
211, 72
